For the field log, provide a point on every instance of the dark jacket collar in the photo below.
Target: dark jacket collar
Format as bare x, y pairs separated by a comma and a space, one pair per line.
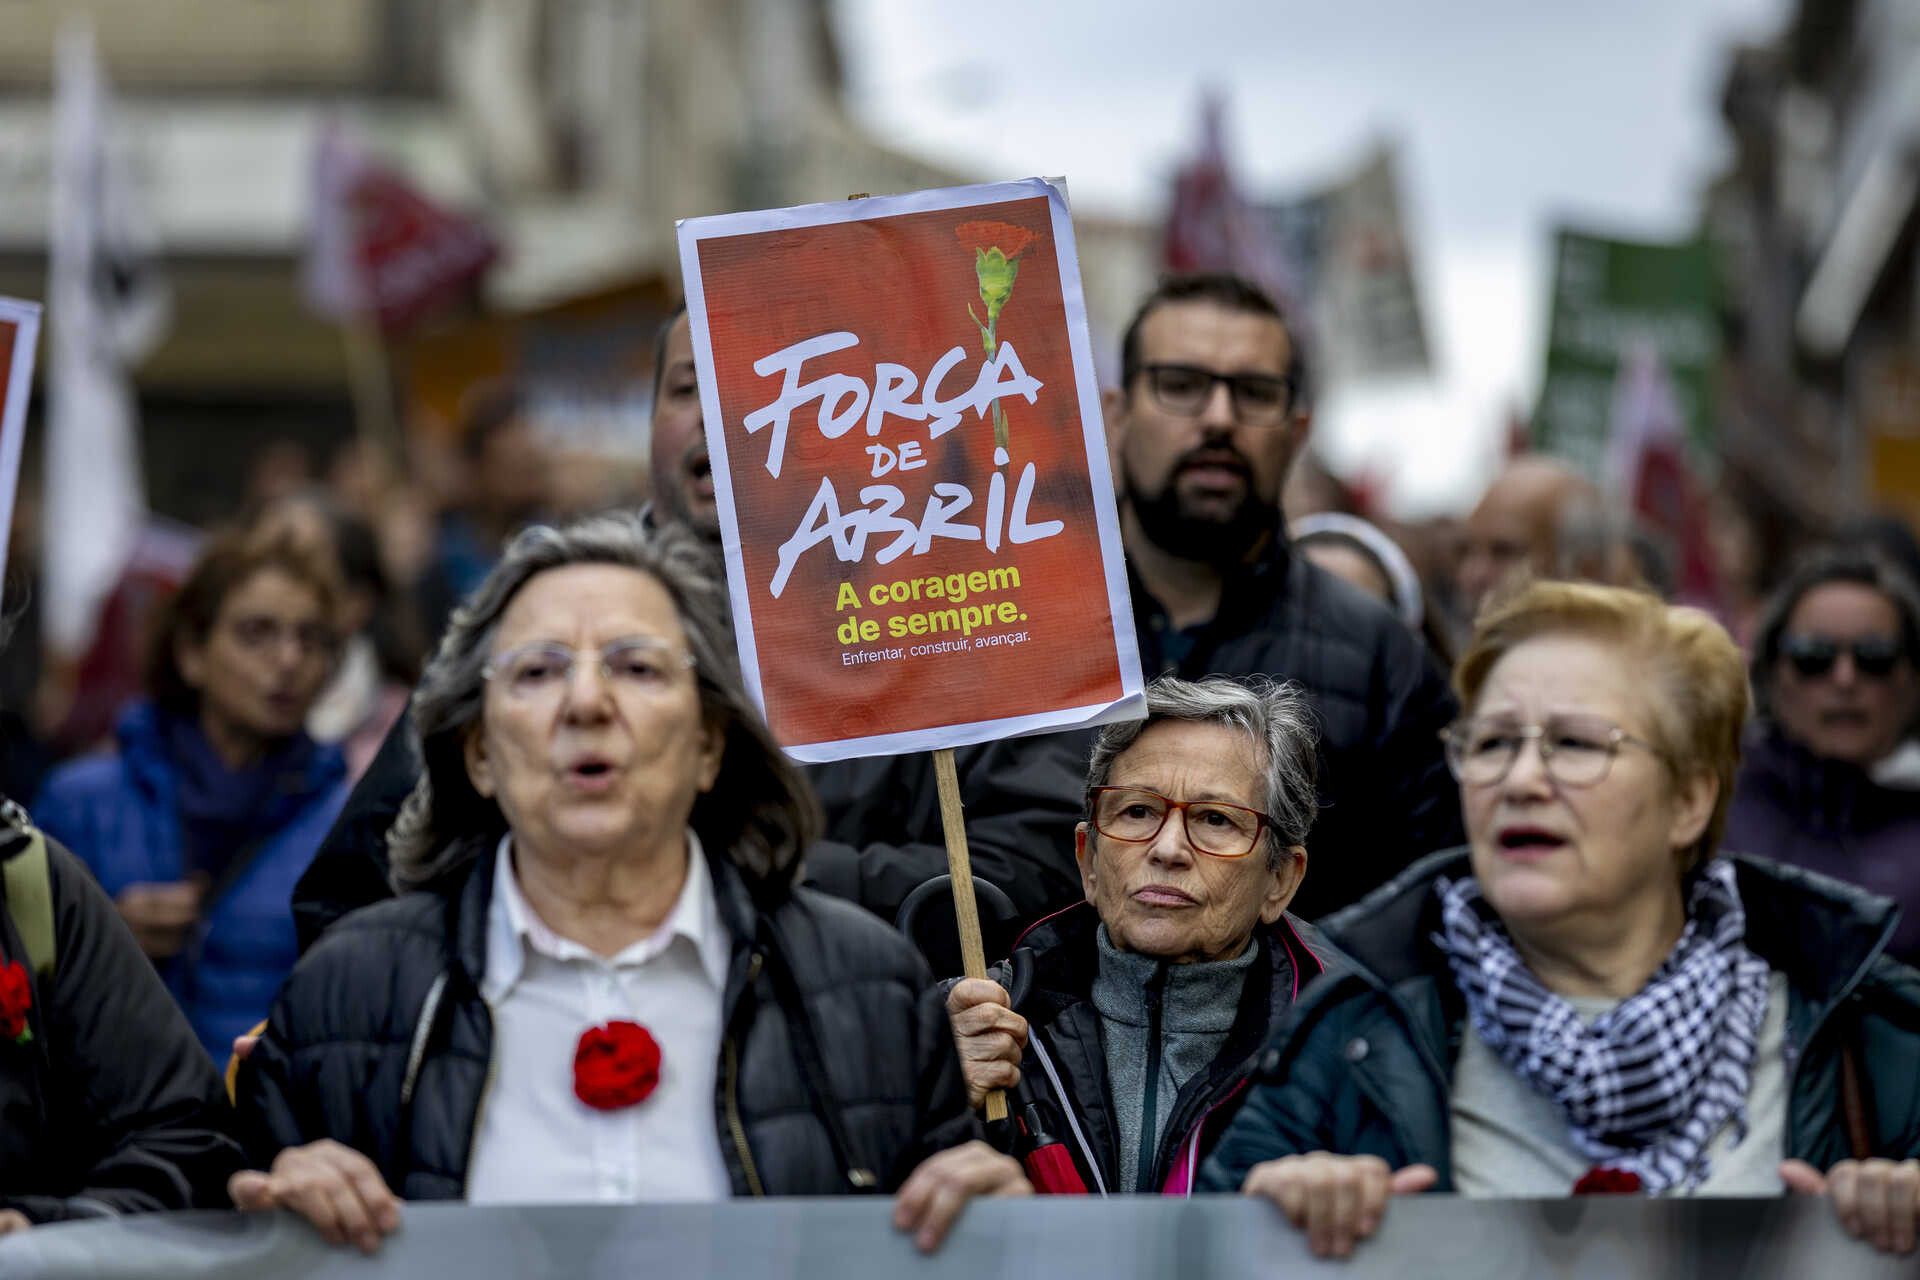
1059, 1004
1822, 934
1246, 590
1066, 956
468, 908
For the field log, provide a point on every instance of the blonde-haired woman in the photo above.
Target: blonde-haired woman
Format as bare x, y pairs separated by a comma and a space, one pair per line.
1590, 997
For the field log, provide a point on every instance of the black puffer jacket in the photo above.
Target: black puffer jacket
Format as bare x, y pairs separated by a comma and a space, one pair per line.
1385, 794
1364, 1066
1022, 799
111, 1106
334, 1062
1064, 1045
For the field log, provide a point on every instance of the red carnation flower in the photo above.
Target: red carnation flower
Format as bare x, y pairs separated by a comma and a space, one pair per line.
1004, 236
16, 997
1603, 1181
615, 1065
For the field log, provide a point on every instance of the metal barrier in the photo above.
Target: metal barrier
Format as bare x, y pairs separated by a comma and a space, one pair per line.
1055, 1238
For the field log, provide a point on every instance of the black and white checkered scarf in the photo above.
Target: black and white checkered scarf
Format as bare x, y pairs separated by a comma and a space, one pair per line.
1650, 1082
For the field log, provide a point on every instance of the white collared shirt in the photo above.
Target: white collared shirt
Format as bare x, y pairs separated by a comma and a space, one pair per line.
534, 1140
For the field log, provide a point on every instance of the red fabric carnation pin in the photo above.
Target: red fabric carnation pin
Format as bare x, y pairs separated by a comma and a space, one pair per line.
1603, 1181
16, 997
616, 1065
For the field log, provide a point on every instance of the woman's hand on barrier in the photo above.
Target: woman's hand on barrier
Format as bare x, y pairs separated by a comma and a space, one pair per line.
1337, 1200
990, 1036
1876, 1200
333, 1187
12, 1220
930, 1202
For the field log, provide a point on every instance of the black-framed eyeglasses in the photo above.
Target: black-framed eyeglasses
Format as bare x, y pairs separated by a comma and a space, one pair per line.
1814, 656
1135, 815
542, 669
1259, 399
1577, 751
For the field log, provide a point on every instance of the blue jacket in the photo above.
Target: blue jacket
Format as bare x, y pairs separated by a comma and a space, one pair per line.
119, 815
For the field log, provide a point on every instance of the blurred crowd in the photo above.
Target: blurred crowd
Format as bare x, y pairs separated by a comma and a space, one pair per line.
387, 538
405, 531
379, 680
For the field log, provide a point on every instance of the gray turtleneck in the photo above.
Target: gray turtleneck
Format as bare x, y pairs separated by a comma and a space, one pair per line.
1196, 1003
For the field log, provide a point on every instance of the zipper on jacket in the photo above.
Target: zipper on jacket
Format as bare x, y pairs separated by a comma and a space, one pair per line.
731, 1054
1149, 1117
1038, 1044
1796, 1055
1189, 1148
479, 1103
473, 1136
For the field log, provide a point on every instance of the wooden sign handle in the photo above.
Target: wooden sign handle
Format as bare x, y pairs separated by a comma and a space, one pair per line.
966, 911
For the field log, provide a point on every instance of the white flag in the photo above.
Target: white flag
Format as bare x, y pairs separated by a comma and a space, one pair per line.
107, 306
331, 275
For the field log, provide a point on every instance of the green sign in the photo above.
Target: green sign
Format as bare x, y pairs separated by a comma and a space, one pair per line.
1610, 296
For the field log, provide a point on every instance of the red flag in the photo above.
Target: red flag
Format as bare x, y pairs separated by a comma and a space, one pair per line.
1210, 226
1647, 469
376, 246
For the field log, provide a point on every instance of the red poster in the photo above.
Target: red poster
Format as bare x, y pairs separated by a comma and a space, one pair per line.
910, 468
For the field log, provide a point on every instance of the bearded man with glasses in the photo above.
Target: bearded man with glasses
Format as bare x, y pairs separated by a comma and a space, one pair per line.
1130, 1022
1831, 777
1209, 415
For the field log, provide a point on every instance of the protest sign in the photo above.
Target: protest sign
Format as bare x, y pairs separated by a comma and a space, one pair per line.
1347, 266
910, 469
19, 334
1610, 298
377, 247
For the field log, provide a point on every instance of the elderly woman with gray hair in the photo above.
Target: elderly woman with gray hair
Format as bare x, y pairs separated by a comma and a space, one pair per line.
1131, 1021
600, 982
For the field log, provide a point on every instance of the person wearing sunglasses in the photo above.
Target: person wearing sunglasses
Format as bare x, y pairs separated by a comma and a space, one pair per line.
1134, 1017
1831, 778
1591, 996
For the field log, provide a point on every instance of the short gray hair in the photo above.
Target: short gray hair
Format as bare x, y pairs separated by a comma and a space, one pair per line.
761, 812
1276, 719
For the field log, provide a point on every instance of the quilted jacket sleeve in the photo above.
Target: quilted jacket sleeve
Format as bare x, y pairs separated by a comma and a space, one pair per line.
136, 1115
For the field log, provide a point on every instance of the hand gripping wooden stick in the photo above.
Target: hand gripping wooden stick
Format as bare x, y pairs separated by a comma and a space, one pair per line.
966, 911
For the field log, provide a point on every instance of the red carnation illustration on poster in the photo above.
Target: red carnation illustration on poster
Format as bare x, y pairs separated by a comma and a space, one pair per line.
902, 579
997, 247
